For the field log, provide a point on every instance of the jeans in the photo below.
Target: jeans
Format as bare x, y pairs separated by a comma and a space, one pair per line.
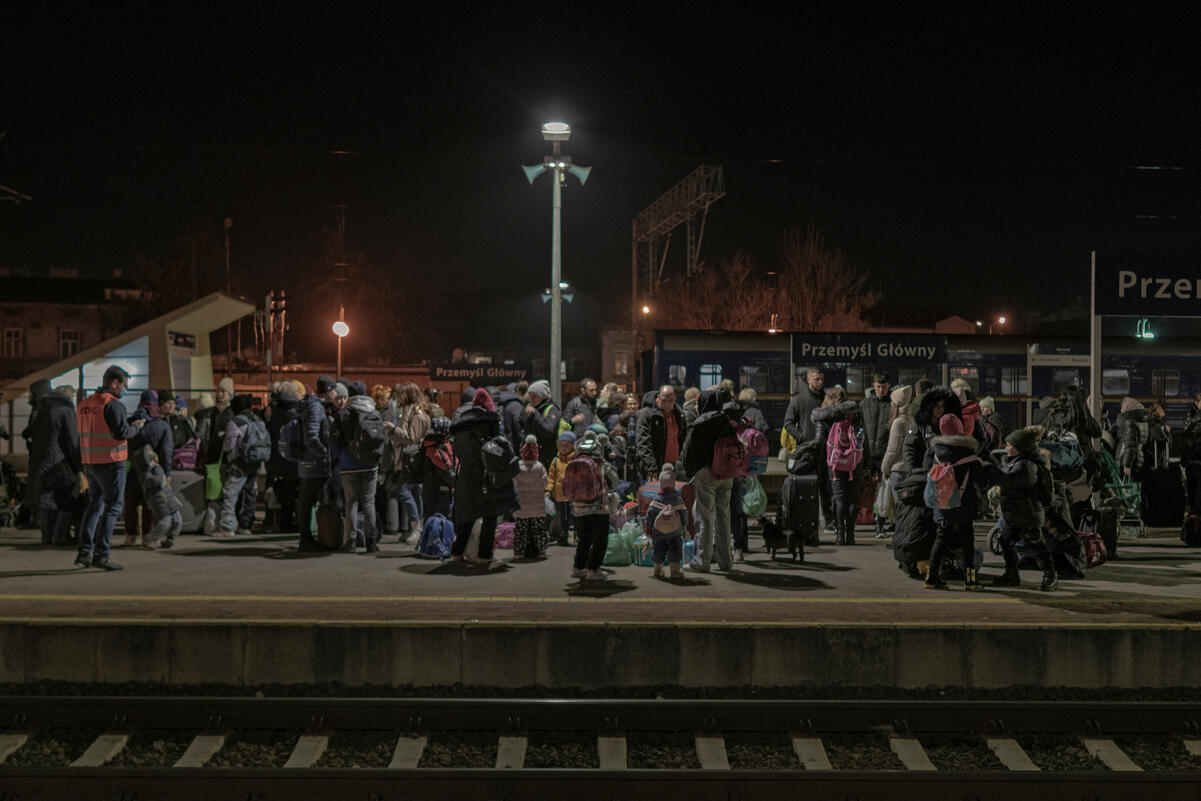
106, 491
358, 490
237, 485
410, 501
712, 510
593, 534
307, 496
669, 549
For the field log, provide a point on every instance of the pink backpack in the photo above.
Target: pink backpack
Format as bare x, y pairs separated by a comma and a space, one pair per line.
582, 480
756, 449
730, 458
504, 535
842, 447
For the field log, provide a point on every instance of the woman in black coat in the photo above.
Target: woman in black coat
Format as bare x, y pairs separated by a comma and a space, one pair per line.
54, 466
474, 499
914, 537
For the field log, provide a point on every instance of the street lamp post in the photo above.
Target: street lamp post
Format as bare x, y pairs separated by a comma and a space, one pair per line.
341, 329
559, 165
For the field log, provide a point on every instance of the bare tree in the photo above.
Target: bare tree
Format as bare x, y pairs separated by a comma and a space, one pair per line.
728, 297
820, 290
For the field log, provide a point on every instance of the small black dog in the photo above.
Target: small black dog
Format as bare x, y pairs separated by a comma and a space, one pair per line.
777, 539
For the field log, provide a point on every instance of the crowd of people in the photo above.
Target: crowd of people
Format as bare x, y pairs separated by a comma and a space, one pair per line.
347, 465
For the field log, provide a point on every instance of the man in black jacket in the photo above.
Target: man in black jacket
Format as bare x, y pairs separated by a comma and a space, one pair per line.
511, 410
542, 420
580, 411
54, 466
796, 419
659, 434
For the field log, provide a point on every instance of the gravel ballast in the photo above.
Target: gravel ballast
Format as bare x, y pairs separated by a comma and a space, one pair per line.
359, 749
960, 752
256, 748
1058, 752
1159, 753
860, 751
661, 750
52, 748
460, 749
153, 748
561, 749
761, 750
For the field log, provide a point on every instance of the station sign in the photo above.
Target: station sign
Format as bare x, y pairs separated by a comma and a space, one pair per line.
1148, 285
480, 375
869, 349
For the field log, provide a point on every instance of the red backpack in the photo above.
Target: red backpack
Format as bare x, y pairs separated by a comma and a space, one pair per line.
582, 480
843, 451
730, 458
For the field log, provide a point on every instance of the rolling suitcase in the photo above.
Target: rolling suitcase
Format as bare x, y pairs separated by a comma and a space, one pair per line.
798, 517
1164, 496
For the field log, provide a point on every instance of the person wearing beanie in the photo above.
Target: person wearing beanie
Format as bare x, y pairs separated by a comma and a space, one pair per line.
155, 432
955, 459
341, 395
466, 401
482, 400
1027, 488
542, 420
666, 520
900, 419
554, 485
313, 464
531, 533
324, 384
1134, 432
994, 425
479, 495
227, 386
246, 446
356, 388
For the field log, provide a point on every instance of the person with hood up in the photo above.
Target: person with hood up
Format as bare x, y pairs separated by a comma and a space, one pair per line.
283, 476
104, 434
313, 465
580, 411
359, 478
475, 497
156, 432
954, 450
916, 451
531, 534
1026, 491
892, 468
466, 398
1134, 431
714, 535
512, 414
182, 430
542, 420
660, 434
239, 487
162, 500
38, 390
839, 487
55, 469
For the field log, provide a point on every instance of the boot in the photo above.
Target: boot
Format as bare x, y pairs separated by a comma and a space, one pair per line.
658, 570
676, 572
1011, 577
933, 580
971, 581
849, 537
1050, 579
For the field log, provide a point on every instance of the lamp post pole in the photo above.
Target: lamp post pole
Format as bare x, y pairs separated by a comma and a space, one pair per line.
340, 330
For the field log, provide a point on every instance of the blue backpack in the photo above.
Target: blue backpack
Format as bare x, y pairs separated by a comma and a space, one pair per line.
437, 535
291, 440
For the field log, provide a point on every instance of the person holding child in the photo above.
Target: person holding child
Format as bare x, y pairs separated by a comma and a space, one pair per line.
666, 517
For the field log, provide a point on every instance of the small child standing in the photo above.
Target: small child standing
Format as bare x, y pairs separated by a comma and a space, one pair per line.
163, 502
530, 531
591, 508
554, 483
666, 517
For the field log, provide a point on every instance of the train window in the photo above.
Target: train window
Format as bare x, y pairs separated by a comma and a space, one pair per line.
1165, 383
677, 376
910, 376
1061, 379
1013, 381
710, 376
857, 381
755, 377
1115, 382
969, 374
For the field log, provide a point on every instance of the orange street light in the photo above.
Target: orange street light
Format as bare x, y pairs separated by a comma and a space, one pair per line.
341, 329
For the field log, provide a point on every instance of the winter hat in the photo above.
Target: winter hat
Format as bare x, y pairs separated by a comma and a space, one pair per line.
357, 388
324, 384
901, 396
1025, 439
287, 391
149, 402
1130, 404
240, 403
341, 391
667, 477
205, 399
529, 449
540, 388
949, 425
598, 429
226, 384
483, 400
987, 401
567, 435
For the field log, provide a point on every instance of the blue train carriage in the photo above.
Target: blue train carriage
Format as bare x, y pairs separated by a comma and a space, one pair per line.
704, 358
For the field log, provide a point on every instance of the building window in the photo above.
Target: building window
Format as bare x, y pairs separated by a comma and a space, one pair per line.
1165, 383
1115, 382
677, 376
621, 362
14, 343
1061, 379
755, 377
710, 376
68, 342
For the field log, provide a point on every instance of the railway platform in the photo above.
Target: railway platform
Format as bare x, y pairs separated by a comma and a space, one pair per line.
253, 610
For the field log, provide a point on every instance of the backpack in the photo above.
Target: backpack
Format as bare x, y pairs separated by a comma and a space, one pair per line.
730, 457
756, 449
843, 451
186, 456
437, 535
1066, 457
582, 480
500, 462
367, 437
667, 518
255, 445
942, 490
291, 440
803, 460
440, 455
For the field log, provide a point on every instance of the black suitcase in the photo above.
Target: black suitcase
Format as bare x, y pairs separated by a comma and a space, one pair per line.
799, 506
1164, 496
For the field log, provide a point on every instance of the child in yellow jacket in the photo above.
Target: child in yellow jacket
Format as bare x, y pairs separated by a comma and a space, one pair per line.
554, 484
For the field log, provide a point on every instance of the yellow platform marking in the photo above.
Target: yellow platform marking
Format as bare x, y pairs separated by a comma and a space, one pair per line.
787, 599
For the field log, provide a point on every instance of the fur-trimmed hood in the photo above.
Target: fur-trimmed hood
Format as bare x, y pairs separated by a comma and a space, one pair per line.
951, 405
956, 441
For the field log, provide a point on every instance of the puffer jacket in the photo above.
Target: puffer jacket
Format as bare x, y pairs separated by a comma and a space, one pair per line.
473, 497
1018, 479
315, 461
1133, 434
824, 418
156, 433
951, 449
712, 422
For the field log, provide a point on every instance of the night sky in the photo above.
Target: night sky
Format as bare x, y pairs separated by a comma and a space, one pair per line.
966, 155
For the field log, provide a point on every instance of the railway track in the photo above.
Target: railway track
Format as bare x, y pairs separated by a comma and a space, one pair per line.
139, 748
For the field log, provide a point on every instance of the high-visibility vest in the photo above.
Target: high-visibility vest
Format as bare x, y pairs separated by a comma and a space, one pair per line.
96, 442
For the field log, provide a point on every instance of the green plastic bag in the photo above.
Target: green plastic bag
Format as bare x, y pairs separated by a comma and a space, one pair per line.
754, 501
617, 551
212, 482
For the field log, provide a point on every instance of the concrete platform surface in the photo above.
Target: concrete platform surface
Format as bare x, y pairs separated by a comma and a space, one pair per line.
262, 577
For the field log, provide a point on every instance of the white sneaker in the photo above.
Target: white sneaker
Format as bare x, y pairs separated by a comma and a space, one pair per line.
579, 573
223, 533
696, 567
595, 575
